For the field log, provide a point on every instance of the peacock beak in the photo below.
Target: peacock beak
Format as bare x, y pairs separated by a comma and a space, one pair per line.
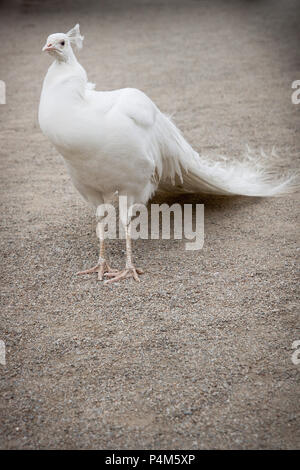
48, 47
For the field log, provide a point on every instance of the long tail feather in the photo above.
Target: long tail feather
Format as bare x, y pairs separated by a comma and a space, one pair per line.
185, 171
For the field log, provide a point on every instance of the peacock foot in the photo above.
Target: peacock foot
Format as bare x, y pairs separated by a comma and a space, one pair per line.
101, 268
126, 273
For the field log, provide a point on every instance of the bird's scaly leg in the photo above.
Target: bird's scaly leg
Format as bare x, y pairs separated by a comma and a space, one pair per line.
102, 266
130, 270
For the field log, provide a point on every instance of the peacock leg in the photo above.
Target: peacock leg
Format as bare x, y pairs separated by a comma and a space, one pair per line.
102, 266
130, 270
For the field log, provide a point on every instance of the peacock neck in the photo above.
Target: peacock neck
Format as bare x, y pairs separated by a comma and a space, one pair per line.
70, 60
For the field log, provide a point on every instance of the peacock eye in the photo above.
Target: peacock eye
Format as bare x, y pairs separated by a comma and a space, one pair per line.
62, 43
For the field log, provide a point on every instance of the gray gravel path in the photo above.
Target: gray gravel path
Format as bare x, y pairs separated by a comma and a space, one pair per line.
198, 355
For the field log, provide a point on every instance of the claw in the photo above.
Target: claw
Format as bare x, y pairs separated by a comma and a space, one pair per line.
89, 271
100, 268
126, 273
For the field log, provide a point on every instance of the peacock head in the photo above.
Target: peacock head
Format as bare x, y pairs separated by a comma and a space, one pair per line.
59, 45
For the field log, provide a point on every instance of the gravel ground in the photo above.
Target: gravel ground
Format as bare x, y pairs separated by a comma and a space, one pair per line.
198, 355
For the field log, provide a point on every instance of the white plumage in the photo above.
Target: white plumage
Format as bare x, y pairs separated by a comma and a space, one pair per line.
120, 141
